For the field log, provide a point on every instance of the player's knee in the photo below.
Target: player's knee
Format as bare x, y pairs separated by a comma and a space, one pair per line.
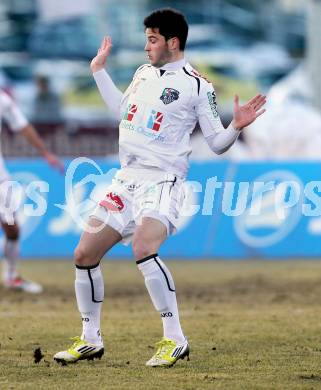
82, 257
142, 248
12, 233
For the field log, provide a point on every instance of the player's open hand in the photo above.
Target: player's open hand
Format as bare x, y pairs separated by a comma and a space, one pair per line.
99, 61
246, 114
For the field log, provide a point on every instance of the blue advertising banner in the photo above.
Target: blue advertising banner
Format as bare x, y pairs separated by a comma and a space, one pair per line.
231, 210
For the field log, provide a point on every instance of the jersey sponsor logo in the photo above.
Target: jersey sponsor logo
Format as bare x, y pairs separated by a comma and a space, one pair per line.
130, 112
169, 95
212, 102
112, 202
141, 130
155, 120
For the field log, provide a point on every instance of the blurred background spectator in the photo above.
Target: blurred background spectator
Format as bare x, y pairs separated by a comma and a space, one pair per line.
47, 107
242, 46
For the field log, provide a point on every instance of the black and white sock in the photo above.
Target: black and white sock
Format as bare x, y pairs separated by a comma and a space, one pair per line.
89, 287
161, 288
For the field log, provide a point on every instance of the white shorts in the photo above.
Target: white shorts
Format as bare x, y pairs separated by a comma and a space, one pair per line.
138, 193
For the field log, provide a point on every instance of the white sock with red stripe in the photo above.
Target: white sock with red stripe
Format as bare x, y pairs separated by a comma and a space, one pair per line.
161, 288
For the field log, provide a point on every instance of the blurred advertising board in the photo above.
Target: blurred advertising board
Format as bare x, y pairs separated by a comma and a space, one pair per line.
231, 210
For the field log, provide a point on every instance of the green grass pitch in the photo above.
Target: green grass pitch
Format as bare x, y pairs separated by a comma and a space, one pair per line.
250, 324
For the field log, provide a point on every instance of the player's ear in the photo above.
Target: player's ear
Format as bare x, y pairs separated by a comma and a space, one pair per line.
173, 43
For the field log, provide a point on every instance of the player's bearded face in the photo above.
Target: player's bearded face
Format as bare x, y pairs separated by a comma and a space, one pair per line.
157, 48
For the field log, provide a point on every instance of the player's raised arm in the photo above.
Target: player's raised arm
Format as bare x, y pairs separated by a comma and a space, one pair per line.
99, 62
111, 95
218, 138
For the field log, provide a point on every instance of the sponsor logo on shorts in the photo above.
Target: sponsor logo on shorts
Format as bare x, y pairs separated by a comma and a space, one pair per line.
154, 121
212, 102
130, 112
169, 95
112, 202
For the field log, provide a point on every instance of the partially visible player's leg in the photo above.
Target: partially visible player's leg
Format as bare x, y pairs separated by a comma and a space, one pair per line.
10, 251
11, 277
89, 284
148, 237
89, 287
159, 282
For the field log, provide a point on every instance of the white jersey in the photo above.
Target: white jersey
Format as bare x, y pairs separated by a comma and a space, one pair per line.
158, 113
14, 119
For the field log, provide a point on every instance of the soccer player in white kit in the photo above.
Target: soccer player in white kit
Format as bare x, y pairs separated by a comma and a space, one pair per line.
158, 113
17, 123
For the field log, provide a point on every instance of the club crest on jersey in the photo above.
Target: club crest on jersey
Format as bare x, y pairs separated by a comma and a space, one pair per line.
130, 112
155, 120
169, 95
112, 202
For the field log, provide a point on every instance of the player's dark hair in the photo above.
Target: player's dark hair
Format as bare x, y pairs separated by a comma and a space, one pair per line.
170, 23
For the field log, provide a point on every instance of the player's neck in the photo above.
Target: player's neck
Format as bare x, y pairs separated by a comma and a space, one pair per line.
177, 56
175, 62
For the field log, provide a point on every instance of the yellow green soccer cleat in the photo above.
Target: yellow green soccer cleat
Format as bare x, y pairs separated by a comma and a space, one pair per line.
80, 350
168, 352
